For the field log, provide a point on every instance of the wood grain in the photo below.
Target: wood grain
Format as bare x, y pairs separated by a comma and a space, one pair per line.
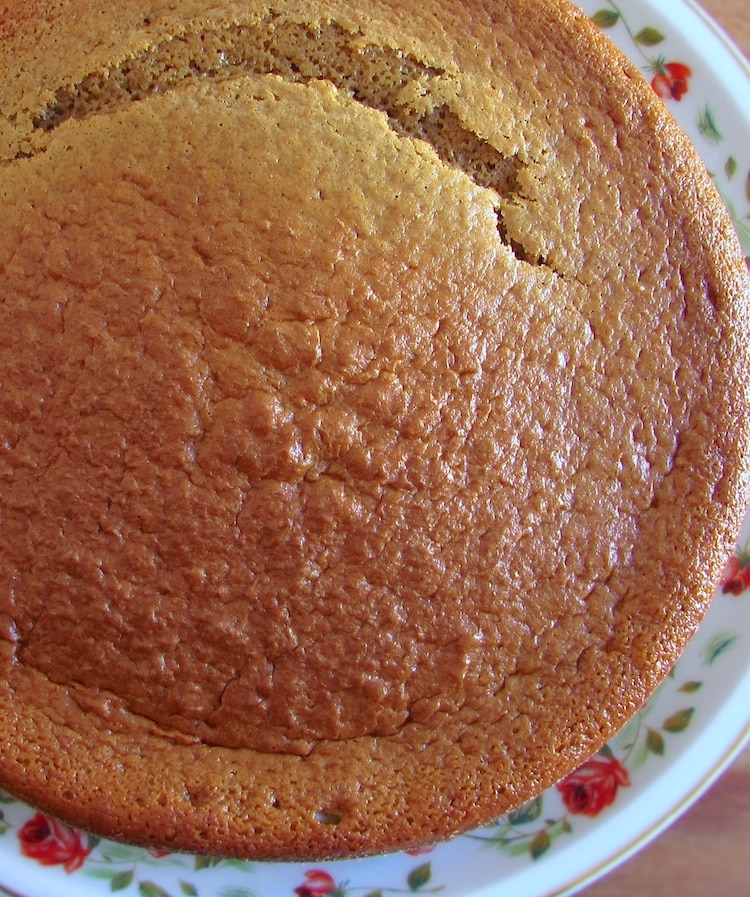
706, 853
734, 18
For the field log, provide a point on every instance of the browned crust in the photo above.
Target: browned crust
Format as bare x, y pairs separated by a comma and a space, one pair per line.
128, 777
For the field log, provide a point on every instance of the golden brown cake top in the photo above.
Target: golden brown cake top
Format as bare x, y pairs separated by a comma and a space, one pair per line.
373, 413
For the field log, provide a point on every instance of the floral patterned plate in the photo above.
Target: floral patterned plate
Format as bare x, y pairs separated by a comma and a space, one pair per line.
662, 760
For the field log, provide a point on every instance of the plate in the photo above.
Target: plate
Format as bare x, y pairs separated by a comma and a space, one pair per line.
648, 774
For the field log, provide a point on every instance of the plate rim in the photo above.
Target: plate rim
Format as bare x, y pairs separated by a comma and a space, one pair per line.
741, 738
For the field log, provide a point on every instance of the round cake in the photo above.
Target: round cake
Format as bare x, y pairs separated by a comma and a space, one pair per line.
374, 413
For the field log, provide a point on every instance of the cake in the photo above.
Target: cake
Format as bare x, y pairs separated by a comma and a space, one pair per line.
374, 413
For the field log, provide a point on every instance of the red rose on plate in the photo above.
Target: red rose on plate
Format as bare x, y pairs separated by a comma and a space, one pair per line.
671, 80
317, 884
420, 851
52, 843
593, 786
736, 576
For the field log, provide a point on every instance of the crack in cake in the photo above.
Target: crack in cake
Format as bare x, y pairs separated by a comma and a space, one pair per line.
374, 416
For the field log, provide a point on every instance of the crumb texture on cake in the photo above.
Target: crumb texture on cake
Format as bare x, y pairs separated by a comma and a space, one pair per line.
371, 437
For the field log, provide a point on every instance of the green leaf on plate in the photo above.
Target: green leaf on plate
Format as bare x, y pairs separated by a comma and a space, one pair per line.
112, 852
605, 18
539, 844
707, 125
377, 893
718, 645
649, 37
517, 848
679, 721
101, 872
528, 812
730, 167
690, 687
419, 877
188, 889
607, 752
149, 889
655, 742
121, 880
206, 862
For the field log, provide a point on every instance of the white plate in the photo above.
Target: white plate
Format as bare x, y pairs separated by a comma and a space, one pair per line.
651, 772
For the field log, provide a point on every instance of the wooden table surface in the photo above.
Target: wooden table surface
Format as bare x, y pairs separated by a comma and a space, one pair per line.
706, 853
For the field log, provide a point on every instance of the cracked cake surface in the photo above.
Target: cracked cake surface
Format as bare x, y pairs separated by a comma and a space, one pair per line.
373, 413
